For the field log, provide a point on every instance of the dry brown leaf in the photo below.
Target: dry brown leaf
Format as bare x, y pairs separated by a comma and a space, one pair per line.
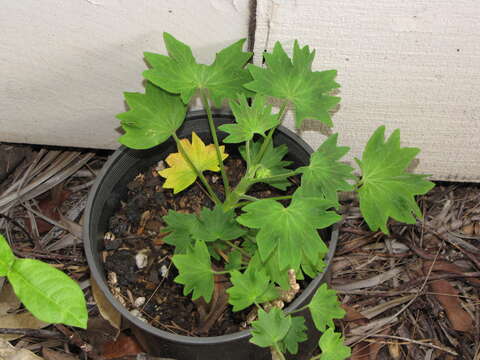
368, 350
49, 206
23, 320
123, 346
351, 313
8, 352
99, 332
447, 296
8, 300
50, 354
106, 309
449, 268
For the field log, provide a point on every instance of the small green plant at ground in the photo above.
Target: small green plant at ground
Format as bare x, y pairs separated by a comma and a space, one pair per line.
266, 245
46, 292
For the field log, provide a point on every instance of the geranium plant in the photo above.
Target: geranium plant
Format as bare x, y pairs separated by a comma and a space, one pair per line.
265, 245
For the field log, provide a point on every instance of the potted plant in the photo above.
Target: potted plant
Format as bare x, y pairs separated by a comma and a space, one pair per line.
257, 248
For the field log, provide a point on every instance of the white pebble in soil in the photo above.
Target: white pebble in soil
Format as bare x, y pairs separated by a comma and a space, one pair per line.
164, 271
141, 259
139, 301
138, 315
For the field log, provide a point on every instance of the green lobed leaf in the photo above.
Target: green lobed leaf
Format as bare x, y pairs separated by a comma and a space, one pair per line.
153, 117
48, 293
271, 164
195, 271
386, 188
295, 335
250, 287
180, 226
294, 80
291, 231
6, 257
250, 120
326, 175
179, 73
234, 260
325, 307
270, 328
217, 224
332, 346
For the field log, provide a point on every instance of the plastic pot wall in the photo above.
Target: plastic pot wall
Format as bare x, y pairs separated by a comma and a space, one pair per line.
104, 199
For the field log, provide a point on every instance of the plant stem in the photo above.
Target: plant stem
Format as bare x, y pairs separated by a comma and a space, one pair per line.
249, 198
298, 310
194, 168
243, 203
277, 177
268, 139
277, 349
286, 197
243, 252
207, 108
249, 158
235, 195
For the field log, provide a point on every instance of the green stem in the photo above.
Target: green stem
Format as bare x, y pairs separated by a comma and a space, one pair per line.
277, 349
206, 105
249, 198
286, 197
243, 203
235, 195
194, 168
298, 310
268, 140
249, 158
243, 252
277, 177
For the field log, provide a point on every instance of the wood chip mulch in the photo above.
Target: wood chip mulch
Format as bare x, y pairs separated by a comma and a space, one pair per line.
412, 294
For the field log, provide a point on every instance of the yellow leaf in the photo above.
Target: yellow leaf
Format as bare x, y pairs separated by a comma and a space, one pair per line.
180, 175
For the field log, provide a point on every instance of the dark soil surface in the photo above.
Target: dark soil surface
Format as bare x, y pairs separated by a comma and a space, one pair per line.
136, 232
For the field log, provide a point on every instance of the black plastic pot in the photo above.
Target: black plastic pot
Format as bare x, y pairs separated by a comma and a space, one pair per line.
103, 201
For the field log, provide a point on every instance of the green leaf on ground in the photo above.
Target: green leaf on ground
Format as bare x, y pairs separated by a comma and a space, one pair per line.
179, 73
325, 174
325, 307
332, 346
294, 80
386, 189
49, 294
153, 117
250, 287
250, 120
271, 164
217, 225
292, 230
295, 335
181, 226
195, 271
270, 328
6, 257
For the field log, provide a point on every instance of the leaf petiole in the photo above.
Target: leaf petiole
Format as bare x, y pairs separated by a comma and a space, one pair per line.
213, 131
243, 252
279, 353
277, 177
268, 139
202, 178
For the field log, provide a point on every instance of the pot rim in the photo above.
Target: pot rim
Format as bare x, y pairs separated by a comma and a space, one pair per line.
100, 279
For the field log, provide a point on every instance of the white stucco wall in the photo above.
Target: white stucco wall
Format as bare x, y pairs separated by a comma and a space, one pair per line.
412, 64
64, 64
